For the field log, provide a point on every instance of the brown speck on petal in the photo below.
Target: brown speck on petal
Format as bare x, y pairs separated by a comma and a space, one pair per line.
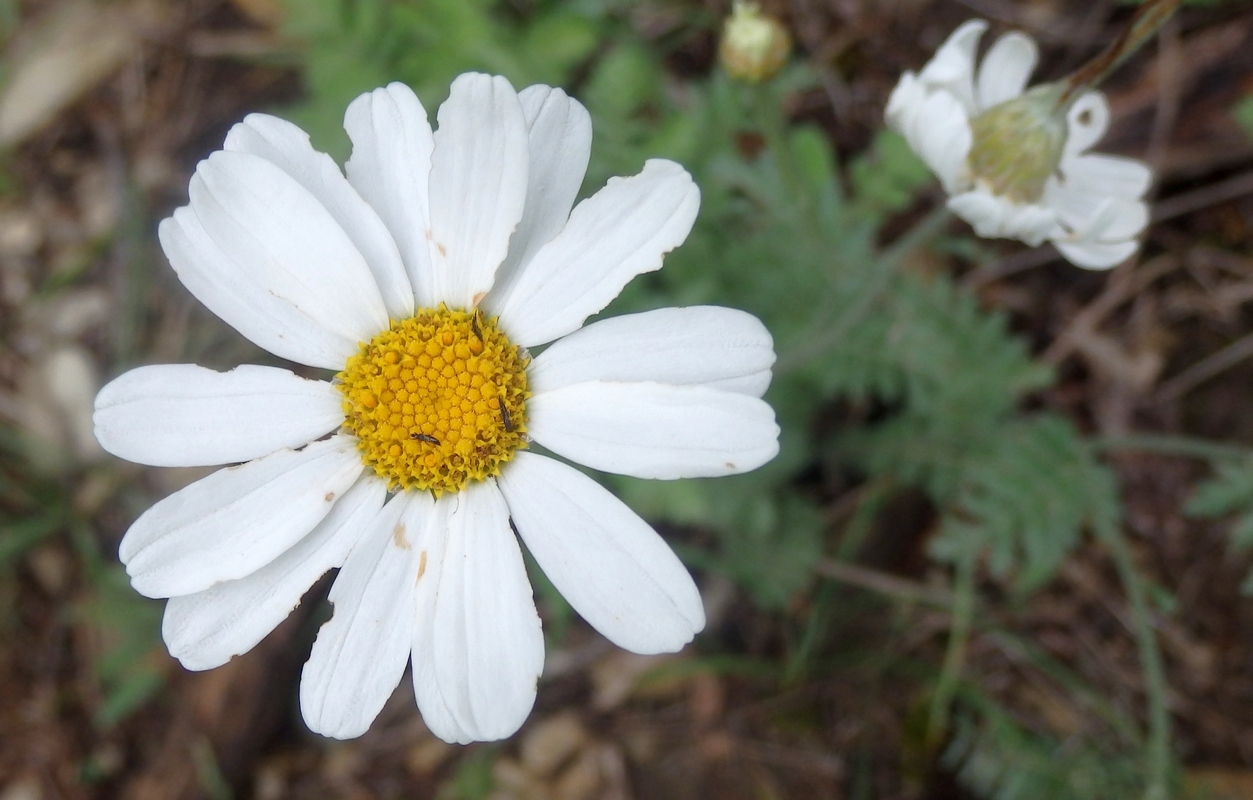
330, 496
398, 537
421, 568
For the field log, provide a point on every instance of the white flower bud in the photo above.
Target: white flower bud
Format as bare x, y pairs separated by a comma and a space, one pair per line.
755, 46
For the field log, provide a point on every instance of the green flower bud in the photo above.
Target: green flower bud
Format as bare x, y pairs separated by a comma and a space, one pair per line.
1016, 145
755, 46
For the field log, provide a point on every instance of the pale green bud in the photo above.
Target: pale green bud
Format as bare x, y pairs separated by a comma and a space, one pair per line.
1016, 145
754, 46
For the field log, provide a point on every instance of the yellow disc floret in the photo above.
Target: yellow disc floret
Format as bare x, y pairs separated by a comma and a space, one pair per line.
437, 400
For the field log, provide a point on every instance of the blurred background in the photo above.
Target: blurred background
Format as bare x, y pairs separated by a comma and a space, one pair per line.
1001, 554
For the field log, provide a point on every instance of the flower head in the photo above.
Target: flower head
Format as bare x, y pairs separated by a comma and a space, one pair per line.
419, 280
1015, 162
755, 46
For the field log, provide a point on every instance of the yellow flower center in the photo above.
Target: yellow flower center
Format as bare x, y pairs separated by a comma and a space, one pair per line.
437, 400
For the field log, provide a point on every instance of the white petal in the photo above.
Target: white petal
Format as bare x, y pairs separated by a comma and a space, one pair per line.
206, 629
651, 430
719, 347
478, 185
1097, 217
390, 166
953, 66
1030, 223
608, 563
941, 136
278, 234
1005, 69
1096, 255
287, 147
241, 298
982, 210
1076, 209
479, 650
235, 521
1088, 119
1106, 176
560, 143
360, 654
903, 103
1127, 220
996, 217
182, 415
621, 231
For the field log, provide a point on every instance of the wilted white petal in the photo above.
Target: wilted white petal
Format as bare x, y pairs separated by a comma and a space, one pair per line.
1088, 119
182, 415
1005, 69
360, 654
941, 136
232, 523
1030, 223
1110, 176
903, 103
1126, 220
953, 66
206, 629
651, 430
1096, 255
612, 568
983, 210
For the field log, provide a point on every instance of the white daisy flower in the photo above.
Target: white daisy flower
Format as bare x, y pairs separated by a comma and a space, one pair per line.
1013, 166
421, 279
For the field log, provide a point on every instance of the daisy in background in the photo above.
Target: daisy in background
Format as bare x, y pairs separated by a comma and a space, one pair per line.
1015, 161
420, 280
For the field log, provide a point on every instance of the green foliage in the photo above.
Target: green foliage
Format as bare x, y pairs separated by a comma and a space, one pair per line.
999, 759
1025, 498
781, 235
790, 234
886, 179
353, 46
1229, 492
32, 507
1243, 112
126, 629
473, 780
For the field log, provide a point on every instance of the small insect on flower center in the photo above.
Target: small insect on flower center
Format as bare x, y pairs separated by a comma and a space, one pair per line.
437, 400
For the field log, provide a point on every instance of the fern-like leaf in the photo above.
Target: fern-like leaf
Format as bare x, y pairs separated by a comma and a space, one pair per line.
1229, 493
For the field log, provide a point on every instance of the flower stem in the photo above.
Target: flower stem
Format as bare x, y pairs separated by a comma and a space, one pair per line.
955, 655
1168, 445
1157, 760
1146, 22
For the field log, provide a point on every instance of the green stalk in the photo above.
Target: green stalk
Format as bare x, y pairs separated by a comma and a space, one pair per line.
1168, 445
1146, 22
1157, 757
955, 655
